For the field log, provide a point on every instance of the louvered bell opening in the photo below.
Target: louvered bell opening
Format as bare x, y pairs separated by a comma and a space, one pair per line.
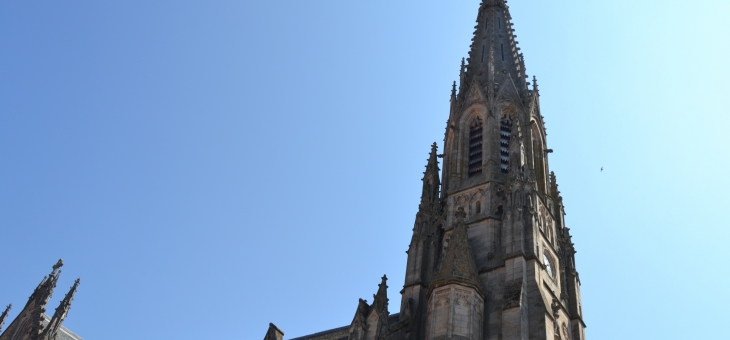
475, 148
505, 132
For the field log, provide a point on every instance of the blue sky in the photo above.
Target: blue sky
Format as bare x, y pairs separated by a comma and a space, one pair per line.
209, 167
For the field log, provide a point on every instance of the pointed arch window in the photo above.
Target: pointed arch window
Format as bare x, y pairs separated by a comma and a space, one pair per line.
476, 130
538, 159
505, 132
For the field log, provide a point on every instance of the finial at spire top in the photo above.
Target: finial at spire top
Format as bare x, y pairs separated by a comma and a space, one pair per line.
58, 264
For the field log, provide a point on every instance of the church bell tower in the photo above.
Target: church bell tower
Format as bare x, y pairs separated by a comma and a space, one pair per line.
490, 257
496, 192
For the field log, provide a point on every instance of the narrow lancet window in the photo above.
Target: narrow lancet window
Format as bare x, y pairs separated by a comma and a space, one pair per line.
505, 131
483, 48
475, 147
501, 48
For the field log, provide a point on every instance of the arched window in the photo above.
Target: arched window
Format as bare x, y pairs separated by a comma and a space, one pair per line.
548, 231
476, 129
479, 207
538, 156
505, 131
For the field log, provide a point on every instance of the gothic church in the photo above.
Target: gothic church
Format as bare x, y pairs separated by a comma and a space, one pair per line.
491, 257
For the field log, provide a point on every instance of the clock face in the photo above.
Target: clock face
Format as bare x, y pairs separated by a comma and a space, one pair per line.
548, 265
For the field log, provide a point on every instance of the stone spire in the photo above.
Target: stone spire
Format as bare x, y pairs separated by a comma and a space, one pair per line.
30, 320
45, 289
431, 181
380, 299
457, 262
50, 331
494, 54
4, 315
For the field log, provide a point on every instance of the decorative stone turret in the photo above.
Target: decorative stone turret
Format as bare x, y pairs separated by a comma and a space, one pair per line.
371, 321
455, 299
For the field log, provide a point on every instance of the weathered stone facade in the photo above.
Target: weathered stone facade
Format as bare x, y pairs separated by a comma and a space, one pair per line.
490, 257
32, 323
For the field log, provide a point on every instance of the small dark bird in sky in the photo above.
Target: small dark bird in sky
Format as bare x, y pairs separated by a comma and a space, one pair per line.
601, 169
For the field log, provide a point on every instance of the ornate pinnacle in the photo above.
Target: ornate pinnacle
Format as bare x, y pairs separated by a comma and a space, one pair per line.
432, 160
380, 300
5, 315
453, 91
58, 264
66, 303
431, 180
462, 72
534, 83
50, 331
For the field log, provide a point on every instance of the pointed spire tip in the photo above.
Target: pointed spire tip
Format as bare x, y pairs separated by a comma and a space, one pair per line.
58, 264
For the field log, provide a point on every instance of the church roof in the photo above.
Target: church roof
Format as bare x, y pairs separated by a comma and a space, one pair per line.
340, 333
63, 332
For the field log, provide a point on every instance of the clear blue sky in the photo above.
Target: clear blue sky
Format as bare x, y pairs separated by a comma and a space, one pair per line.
208, 167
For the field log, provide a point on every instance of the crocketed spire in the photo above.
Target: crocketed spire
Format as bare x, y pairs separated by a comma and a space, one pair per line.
494, 54
50, 331
431, 180
380, 302
4, 315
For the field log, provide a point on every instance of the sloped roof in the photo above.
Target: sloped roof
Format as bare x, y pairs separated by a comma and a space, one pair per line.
63, 332
340, 333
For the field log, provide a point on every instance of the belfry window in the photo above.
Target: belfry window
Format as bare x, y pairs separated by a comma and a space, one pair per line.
505, 131
475, 147
501, 48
